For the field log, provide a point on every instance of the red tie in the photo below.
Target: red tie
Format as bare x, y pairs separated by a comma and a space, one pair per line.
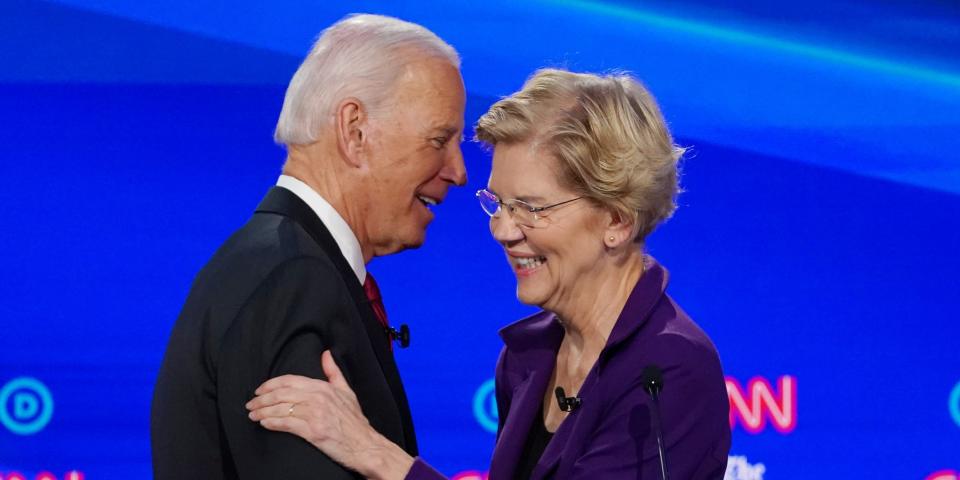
376, 302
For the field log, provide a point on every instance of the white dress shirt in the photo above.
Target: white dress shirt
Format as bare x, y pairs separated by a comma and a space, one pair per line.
345, 238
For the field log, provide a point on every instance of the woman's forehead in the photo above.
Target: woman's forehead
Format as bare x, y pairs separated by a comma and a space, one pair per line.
518, 175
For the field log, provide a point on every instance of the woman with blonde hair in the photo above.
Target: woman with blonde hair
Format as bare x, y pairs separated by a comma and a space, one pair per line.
584, 169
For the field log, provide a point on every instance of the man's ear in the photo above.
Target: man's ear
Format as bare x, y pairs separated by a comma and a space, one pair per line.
618, 230
352, 128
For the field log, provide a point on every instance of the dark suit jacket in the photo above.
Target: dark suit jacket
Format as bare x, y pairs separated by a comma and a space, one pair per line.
271, 299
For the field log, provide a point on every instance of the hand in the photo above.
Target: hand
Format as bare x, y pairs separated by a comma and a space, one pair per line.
328, 415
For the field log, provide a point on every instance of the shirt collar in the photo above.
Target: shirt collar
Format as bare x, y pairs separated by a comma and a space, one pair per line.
339, 230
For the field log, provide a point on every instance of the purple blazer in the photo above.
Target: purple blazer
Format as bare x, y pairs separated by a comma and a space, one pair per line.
610, 435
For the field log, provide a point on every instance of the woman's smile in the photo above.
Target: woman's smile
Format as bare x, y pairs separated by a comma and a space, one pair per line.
526, 265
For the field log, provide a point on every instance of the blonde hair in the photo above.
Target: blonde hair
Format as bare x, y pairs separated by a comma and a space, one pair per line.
607, 134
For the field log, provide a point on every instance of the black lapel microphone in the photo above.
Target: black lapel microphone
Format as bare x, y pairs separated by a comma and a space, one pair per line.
653, 383
567, 404
402, 336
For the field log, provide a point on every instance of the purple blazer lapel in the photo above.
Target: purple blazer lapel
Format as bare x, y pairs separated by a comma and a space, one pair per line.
527, 396
554, 451
578, 425
533, 344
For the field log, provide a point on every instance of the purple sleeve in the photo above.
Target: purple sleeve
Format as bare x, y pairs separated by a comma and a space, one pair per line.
422, 471
695, 421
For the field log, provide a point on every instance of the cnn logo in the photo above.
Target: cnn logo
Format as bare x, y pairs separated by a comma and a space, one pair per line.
760, 404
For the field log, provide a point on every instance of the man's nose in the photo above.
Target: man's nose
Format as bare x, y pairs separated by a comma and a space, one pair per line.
454, 170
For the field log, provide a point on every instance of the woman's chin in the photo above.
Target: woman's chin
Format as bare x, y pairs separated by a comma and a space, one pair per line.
529, 296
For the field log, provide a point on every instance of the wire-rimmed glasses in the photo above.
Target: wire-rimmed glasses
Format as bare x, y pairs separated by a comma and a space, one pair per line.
523, 213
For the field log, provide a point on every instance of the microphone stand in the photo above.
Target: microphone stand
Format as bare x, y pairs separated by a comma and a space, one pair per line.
653, 383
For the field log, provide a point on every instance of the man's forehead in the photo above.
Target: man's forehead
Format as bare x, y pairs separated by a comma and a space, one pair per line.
431, 91
446, 120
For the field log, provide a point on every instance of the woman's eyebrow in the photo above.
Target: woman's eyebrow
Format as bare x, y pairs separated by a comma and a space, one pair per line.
530, 198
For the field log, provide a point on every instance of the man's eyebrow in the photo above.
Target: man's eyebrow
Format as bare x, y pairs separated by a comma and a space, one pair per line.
448, 131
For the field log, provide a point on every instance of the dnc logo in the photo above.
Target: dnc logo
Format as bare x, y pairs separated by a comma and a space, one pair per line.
26, 406
485, 406
953, 404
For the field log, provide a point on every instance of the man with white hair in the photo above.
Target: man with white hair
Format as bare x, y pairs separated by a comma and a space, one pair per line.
372, 123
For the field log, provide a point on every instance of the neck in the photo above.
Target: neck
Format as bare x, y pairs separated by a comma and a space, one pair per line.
591, 310
317, 167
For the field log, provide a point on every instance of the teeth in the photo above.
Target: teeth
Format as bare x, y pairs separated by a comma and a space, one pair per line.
427, 200
530, 262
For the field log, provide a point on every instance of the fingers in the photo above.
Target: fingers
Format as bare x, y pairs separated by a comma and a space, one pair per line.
294, 425
332, 371
285, 381
331, 398
323, 394
326, 414
279, 410
283, 395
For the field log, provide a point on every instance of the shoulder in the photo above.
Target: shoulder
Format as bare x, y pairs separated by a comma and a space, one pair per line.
672, 342
693, 395
675, 339
679, 328
274, 237
265, 245
270, 261
303, 274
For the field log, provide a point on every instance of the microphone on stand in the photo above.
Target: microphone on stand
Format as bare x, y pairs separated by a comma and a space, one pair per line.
653, 384
567, 404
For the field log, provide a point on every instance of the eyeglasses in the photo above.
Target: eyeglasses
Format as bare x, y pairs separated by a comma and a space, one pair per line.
523, 213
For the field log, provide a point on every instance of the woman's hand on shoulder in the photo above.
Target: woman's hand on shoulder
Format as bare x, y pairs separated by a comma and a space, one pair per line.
328, 415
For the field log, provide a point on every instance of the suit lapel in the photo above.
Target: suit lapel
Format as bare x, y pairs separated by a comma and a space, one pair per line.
553, 453
525, 407
283, 202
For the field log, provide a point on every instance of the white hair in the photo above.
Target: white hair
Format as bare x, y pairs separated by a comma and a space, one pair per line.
360, 56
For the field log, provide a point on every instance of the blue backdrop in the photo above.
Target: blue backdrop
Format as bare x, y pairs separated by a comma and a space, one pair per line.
816, 241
